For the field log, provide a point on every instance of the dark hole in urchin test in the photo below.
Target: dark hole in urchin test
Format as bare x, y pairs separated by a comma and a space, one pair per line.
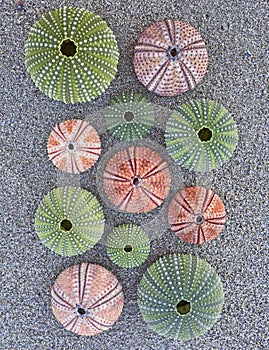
183, 307
173, 52
199, 219
66, 225
129, 116
128, 248
81, 311
68, 48
136, 181
71, 146
205, 134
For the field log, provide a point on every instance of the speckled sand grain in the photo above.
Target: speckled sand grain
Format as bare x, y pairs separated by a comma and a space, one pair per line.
237, 77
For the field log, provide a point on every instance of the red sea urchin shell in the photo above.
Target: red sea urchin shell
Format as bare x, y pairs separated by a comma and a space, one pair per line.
87, 299
196, 215
74, 146
170, 58
136, 179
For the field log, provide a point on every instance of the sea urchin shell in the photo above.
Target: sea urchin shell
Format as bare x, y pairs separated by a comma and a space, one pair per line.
130, 117
201, 135
74, 146
128, 245
69, 220
87, 299
136, 179
180, 296
170, 58
196, 215
71, 55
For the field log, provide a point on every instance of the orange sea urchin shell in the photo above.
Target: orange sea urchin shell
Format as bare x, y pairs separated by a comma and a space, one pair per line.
196, 215
87, 299
74, 146
136, 179
170, 58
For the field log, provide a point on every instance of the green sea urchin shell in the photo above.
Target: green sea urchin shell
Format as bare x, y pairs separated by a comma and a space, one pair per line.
130, 117
180, 296
69, 220
71, 55
201, 135
128, 245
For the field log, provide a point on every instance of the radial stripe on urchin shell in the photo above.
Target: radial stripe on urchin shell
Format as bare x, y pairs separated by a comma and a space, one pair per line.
69, 220
196, 215
74, 146
136, 179
87, 299
180, 296
128, 245
170, 58
201, 135
71, 55
130, 116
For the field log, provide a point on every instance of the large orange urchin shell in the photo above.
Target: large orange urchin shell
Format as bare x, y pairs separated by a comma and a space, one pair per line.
196, 215
74, 146
136, 179
170, 58
87, 299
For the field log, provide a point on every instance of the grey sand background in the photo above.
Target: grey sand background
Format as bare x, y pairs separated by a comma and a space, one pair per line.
237, 77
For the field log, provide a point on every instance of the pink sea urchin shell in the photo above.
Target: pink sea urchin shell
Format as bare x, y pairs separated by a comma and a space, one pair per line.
87, 299
136, 179
196, 215
74, 146
170, 58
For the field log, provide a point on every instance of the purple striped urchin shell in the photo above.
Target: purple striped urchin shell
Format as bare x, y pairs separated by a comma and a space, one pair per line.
87, 299
170, 58
136, 179
196, 215
74, 146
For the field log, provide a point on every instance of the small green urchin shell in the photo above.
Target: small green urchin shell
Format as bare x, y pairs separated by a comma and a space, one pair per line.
128, 245
201, 135
69, 220
180, 296
130, 117
71, 55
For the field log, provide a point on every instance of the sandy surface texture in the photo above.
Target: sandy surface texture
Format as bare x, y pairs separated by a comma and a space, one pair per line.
236, 35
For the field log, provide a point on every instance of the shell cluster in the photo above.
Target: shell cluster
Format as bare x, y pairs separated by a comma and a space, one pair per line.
72, 56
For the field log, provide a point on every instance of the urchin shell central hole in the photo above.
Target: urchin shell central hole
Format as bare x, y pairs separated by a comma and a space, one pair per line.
71, 146
136, 181
205, 134
199, 219
183, 307
173, 52
66, 225
129, 116
128, 248
81, 311
68, 48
